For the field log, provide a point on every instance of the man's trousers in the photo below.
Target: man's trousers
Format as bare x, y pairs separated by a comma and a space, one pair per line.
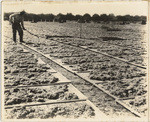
17, 27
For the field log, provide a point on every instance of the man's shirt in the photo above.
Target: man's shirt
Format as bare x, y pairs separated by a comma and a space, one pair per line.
15, 18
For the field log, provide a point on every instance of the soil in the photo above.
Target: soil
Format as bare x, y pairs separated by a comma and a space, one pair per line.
40, 94
69, 110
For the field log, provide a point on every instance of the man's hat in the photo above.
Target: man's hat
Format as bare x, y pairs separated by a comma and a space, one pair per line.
22, 12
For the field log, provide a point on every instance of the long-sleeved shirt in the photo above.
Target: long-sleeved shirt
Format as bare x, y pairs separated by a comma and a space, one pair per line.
16, 18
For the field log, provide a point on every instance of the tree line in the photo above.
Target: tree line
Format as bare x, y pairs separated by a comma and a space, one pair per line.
79, 18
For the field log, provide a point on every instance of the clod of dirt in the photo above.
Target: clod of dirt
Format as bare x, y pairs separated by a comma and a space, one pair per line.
40, 100
30, 76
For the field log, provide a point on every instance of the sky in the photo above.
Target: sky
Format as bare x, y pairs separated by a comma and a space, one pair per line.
117, 8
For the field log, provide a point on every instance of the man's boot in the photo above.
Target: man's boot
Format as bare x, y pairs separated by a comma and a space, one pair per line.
21, 39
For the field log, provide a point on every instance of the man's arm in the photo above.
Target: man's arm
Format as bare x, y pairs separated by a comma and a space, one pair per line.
22, 24
11, 19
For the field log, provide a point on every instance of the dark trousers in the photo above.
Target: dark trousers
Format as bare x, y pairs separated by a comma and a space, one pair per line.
17, 27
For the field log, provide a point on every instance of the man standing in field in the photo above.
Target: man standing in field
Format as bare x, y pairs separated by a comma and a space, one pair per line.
16, 20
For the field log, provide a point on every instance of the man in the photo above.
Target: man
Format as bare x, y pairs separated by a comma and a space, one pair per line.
16, 20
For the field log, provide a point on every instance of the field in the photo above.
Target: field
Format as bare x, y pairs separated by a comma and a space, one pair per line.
128, 43
121, 79
23, 73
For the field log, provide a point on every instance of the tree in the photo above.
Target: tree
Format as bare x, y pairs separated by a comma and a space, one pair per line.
60, 18
95, 18
6, 16
144, 18
86, 17
111, 17
104, 17
127, 18
137, 18
69, 16
77, 17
